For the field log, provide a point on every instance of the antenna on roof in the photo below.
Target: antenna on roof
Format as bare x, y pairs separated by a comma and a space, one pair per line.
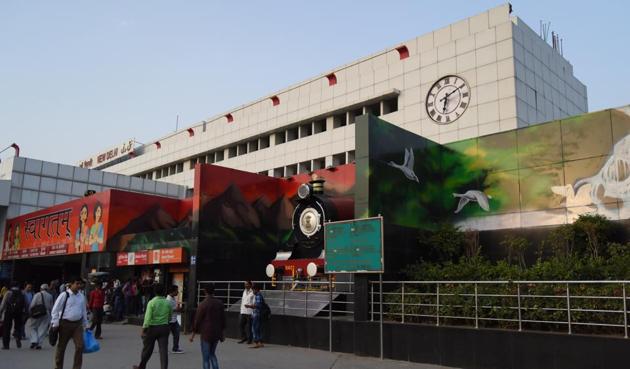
177, 123
544, 30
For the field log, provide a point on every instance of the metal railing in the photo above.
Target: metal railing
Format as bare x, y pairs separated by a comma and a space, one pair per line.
586, 307
302, 298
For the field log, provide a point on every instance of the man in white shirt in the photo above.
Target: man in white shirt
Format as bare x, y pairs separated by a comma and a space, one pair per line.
173, 324
245, 321
69, 315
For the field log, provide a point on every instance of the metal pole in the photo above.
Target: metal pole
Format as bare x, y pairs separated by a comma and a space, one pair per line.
330, 305
437, 304
568, 308
403, 301
228, 295
284, 299
476, 308
518, 296
625, 313
380, 280
372, 298
306, 300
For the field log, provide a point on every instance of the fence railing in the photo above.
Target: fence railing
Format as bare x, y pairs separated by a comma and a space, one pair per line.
590, 307
297, 298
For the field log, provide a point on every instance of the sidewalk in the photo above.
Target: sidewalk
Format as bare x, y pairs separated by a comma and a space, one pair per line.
121, 349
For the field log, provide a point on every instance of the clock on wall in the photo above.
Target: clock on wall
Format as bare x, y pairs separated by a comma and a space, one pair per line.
447, 99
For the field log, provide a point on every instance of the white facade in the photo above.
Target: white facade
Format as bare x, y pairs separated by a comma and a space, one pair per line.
516, 79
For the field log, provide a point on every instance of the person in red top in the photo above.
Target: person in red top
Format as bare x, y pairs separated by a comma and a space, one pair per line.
96, 302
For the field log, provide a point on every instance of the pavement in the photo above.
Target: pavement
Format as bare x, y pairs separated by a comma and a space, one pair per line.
121, 346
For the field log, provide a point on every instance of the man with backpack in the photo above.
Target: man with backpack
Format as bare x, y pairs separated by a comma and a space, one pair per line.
39, 320
261, 312
13, 307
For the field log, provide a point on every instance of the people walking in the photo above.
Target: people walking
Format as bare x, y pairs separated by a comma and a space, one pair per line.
245, 318
40, 311
257, 317
95, 304
209, 323
28, 296
69, 316
156, 328
173, 323
13, 307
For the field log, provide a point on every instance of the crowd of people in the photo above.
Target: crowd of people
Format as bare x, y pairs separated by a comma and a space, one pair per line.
61, 310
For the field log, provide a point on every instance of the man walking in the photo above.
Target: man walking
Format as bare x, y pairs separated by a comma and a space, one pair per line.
96, 303
28, 298
69, 315
245, 319
13, 306
155, 328
173, 323
40, 311
210, 324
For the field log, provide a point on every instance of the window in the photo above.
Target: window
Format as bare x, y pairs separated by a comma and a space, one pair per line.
253, 146
306, 130
264, 173
278, 172
390, 105
353, 114
201, 159
319, 126
164, 172
264, 142
172, 170
291, 170
374, 109
319, 163
193, 161
281, 138
305, 167
219, 156
339, 159
179, 167
242, 149
339, 120
158, 174
292, 134
210, 158
232, 152
350, 156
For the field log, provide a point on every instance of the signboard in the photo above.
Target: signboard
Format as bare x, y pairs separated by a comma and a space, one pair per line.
354, 246
73, 227
145, 257
108, 155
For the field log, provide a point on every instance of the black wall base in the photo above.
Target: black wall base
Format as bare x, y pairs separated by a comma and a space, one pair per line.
448, 346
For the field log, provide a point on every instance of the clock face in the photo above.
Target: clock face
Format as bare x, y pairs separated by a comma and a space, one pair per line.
448, 99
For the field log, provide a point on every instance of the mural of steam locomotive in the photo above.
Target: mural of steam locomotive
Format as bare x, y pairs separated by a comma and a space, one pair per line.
302, 256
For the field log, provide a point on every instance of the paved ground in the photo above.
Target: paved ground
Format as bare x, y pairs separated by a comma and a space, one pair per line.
121, 348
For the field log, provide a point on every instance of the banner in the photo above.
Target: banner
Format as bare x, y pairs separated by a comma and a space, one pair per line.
173, 255
73, 227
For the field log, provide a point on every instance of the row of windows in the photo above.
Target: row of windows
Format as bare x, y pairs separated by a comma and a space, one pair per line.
306, 129
310, 165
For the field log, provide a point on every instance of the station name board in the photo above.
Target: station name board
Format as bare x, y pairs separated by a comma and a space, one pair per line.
106, 156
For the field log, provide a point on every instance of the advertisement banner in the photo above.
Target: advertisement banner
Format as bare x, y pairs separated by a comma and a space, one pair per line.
73, 227
145, 257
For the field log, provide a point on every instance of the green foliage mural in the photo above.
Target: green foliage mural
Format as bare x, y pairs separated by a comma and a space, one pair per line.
547, 174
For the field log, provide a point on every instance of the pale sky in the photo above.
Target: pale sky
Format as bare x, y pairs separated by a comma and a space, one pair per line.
77, 77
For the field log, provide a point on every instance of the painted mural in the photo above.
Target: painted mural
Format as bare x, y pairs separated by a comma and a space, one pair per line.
244, 218
546, 174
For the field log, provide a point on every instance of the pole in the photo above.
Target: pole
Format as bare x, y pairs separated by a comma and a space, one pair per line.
380, 281
518, 295
330, 303
568, 308
625, 312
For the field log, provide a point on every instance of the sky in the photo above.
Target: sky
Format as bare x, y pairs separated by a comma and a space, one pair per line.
78, 77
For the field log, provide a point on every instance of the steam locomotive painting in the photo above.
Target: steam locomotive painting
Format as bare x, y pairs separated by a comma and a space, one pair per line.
303, 254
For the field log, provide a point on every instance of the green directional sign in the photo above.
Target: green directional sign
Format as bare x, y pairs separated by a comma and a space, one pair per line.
354, 246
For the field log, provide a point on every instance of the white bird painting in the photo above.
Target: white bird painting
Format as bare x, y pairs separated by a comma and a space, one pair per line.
472, 195
407, 166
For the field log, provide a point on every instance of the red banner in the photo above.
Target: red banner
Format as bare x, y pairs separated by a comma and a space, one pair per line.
160, 256
76, 226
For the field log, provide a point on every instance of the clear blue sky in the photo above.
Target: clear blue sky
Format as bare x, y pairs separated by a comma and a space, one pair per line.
80, 76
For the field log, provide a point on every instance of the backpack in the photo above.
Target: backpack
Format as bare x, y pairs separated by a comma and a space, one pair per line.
15, 303
265, 310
